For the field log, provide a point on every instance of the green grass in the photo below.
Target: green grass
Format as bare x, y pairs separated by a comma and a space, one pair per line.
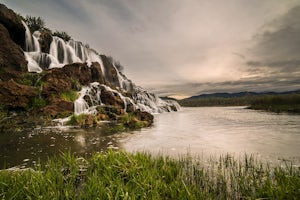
284, 103
69, 95
121, 175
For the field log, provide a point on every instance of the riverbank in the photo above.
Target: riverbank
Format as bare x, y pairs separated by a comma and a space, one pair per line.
278, 103
122, 175
283, 103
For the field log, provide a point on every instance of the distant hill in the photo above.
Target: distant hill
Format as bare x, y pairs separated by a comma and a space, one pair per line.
235, 99
240, 94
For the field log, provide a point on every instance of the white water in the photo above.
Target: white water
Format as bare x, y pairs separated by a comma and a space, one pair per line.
62, 53
152, 103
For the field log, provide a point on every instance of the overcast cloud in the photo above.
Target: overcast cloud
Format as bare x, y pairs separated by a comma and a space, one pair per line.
188, 47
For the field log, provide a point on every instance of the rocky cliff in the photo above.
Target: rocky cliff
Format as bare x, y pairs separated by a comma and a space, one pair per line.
48, 77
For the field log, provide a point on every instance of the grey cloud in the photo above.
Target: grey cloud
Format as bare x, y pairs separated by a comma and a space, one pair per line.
278, 45
183, 47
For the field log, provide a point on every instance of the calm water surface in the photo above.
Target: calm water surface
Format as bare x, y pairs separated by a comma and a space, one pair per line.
200, 131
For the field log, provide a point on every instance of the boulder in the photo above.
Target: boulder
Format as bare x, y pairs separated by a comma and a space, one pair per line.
58, 108
12, 59
12, 22
15, 96
111, 98
111, 74
45, 40
144, 116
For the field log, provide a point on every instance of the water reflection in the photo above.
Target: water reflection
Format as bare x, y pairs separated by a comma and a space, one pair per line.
200, 131
26, 148
220, 130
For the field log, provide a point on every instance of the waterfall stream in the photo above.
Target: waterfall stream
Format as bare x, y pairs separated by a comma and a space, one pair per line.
63, 52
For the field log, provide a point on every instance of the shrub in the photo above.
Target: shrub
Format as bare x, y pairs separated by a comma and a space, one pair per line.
69, 95
35, 23
37, 103
63, 35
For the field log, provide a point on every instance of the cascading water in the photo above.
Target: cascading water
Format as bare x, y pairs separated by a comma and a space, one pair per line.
62, 53
32, 44
152, 103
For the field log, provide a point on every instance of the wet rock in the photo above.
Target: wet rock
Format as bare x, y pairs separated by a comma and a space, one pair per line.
144, 116
58, 108
14, 95
45, 40
12, 59
111, 74
111, 98
12, 22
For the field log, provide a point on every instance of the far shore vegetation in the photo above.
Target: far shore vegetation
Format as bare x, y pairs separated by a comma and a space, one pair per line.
274, 103
123, 175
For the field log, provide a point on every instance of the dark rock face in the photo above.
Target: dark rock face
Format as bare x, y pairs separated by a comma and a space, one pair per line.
59, 108
66, 78
12, 58
110, 98
45, 41
13, 24
144, 116
111, 74
96, 72
15, 96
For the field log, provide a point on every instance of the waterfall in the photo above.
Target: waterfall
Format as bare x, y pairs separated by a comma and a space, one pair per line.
67, 52
32, 65
32, 43
80, 105
60, 53
152, 103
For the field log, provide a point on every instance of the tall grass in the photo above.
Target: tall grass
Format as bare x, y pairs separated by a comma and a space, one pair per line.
121, 175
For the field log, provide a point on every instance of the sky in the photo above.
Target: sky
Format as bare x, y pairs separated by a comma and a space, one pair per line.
182, 48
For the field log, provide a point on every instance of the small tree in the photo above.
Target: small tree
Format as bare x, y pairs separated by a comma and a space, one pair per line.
35, 23
63, 35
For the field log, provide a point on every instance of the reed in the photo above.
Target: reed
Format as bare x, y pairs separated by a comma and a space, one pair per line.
122, 175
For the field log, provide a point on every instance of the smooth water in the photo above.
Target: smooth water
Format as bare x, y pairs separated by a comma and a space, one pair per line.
220, 130
201, 131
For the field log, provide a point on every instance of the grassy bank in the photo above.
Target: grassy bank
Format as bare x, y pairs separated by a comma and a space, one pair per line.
273, 103
121, 175
283, 103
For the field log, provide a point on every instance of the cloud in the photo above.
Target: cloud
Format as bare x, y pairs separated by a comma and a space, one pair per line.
278, 43
185, 47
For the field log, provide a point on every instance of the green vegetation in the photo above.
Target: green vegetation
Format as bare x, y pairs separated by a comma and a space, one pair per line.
131, 121
217, 101
3, 112
283, 103
121, 175
79, 120
273, 103
63, 35
35, 23
123, 122
31, 79
69, 95
37, 103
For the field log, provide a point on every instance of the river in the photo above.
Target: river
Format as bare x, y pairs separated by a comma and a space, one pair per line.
202, 131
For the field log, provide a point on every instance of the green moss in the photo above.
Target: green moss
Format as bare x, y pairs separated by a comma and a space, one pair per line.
37, 103
31, 79
3, 112
69, 95
75, 120
131, 121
